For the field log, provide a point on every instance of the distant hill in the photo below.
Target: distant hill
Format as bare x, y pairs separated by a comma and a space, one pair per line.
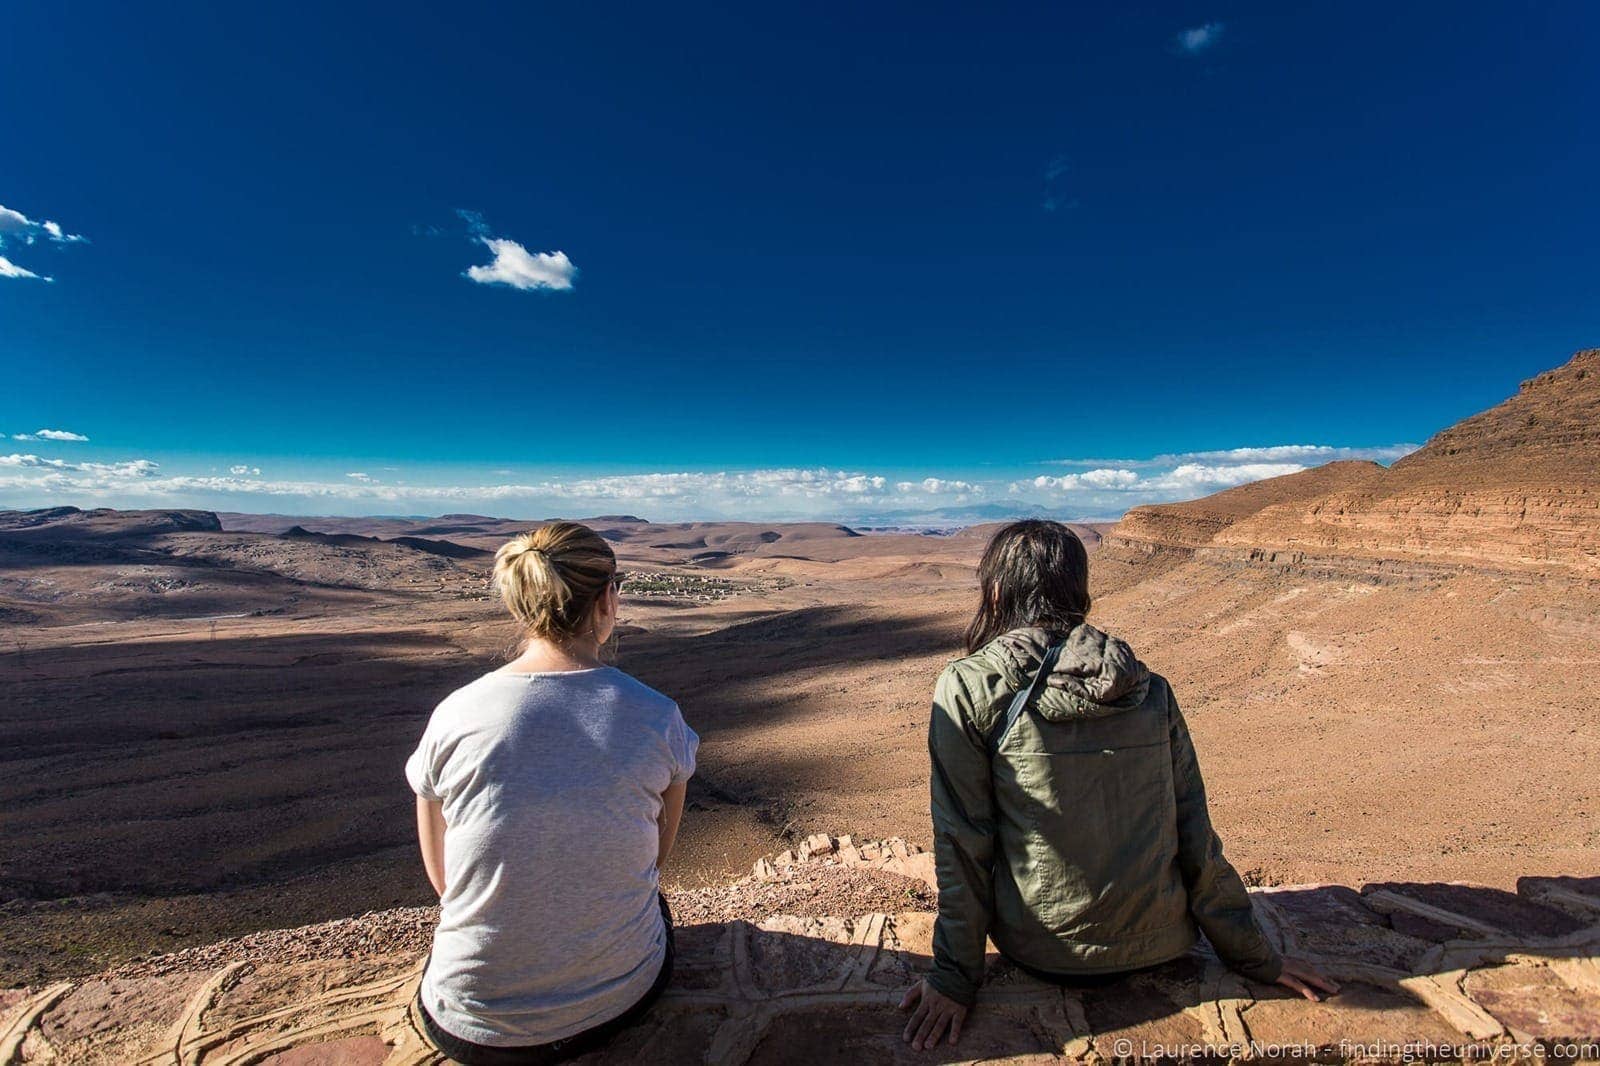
1515, 487
448, 549
1548, 434
62, 565
1197, 522
63, 523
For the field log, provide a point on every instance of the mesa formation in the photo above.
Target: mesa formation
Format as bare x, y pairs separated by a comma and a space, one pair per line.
1392, 676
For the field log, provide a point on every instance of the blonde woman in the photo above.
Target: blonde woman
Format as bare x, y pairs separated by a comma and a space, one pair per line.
548, 794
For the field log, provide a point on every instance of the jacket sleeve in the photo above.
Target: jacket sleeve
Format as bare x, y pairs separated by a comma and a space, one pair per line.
963, 841
1217, 896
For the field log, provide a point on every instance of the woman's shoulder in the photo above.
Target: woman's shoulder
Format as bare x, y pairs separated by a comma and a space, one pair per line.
972, 667
1005, 660
640, 692
471, 697
973, 684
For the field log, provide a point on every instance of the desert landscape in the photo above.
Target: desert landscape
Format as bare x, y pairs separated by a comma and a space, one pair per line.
1392, 675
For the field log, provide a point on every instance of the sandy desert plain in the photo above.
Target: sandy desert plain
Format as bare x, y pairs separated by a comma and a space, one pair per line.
1392, 674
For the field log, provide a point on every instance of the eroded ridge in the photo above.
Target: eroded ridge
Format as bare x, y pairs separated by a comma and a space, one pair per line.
1438, 971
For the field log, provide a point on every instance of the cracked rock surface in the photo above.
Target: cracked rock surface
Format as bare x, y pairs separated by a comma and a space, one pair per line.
1434, 970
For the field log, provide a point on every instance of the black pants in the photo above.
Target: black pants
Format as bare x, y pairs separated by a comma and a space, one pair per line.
469, 1054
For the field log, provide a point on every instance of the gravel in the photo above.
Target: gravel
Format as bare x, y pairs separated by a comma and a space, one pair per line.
814, 891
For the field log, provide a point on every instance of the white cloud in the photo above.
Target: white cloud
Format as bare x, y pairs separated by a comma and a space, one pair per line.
1308, 453
1197, 39
133, 468
515, 266
1100, 478
8, 269
1184, 478
18, 228
13, 222
1196, 478
1103, 490
784, 483
1108, 478
1318, 453
16, 459
50, 434
17, 225
1119, 484
938, 486
793, 491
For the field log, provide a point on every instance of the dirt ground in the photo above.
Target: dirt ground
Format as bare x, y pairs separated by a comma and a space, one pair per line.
175, 778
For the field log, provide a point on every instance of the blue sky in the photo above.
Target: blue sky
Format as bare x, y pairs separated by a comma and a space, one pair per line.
768, 262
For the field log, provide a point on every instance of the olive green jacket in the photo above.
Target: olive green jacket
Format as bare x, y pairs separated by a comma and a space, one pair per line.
1083, 844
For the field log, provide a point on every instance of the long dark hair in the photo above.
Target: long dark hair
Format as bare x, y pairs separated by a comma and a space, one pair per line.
1033, 573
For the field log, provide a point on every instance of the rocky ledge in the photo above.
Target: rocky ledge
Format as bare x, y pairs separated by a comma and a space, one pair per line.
1430, 971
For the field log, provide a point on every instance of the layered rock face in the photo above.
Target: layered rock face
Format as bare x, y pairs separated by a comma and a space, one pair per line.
1514, 488
1184, 527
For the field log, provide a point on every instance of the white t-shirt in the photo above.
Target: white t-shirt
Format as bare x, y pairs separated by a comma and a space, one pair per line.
551, 786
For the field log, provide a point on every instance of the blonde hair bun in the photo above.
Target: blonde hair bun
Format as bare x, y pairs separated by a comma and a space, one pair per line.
551, 577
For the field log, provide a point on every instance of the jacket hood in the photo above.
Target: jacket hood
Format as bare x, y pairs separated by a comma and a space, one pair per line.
1097, 674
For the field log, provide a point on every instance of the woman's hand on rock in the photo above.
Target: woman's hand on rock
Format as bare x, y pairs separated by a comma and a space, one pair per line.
1304, 977
931, 1014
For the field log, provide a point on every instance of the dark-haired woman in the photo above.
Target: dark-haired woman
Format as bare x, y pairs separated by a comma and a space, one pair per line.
1070, 822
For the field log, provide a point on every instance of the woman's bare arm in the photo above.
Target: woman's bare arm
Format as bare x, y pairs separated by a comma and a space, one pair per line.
430, 834
671, 816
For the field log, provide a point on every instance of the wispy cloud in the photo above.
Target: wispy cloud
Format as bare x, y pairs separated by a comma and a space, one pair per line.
50, 434
788, 490
1057, 196
133, 468
513, 265
1101, 488
477, 226
938, 486
1309, 454
1197, 39
8, 269
1109, 485
17, 228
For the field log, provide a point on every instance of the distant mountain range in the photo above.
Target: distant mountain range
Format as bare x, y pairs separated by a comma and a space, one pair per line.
967, 515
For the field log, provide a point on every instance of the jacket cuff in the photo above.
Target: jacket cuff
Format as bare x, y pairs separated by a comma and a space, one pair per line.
1265, 972
952, 986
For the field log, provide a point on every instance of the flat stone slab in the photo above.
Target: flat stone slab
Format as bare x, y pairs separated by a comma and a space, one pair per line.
1503, 971
1482, 907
